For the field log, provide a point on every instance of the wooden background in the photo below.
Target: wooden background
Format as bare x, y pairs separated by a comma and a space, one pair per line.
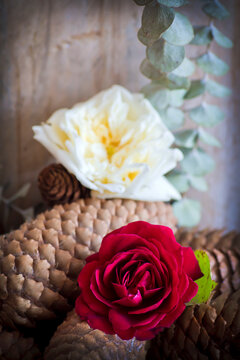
55, 53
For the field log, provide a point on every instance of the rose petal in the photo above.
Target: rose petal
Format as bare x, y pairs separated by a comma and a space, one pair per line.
113, 244
191, 291
119, 320
131, 300
125, 334
190, 264
101, 323
163, 294
170, 317
121, 290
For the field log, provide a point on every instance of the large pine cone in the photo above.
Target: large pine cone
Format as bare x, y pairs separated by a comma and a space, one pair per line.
202, 332
40, 262
14, 346
75, 340
58, 186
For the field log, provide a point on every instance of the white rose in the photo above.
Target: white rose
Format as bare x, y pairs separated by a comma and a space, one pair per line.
115, 144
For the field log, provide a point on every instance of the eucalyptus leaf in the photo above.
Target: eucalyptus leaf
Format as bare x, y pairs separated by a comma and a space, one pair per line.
197, 88
208, 138
186, 138
216, 10
221, 39
197, 162
205, 284
186, 68
165, 57
159, 99
202, 35
172, 117
179, 180
173, 3
198, 182
176, 97
187, 211
212, 64
150, 71
156, 19
206, 115
142, 2
180, 32
178, 82
216, 89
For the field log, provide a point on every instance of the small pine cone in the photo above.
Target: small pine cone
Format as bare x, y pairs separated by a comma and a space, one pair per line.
202, 332
223, 252
58, 186
14, 346
40, 262
74, 339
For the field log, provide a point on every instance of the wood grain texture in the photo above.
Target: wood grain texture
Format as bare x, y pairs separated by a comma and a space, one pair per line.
55, 53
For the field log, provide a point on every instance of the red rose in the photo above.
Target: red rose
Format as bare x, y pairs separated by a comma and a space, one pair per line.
138, 282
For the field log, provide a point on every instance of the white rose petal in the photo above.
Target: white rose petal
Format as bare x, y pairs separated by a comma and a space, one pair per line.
115, 144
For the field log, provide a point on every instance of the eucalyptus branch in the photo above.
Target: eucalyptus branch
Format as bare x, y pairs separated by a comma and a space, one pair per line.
165, 32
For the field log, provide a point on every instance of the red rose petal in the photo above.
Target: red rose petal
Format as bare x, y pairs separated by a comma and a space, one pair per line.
93, 257
95, 291
101, 323
163, 294
120, 289
191, 291
119, 320
131, 300
125, 334
190, 264
170, 317
143, 335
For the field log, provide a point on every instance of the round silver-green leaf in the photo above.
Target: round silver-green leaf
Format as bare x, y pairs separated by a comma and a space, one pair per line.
164, 56
212, 64
202, 35
188, 212
197, 88
172, 117
185, 69
186, 138
150, 71
180, 32
179, 180
208, 138
216, 89
206, 115
142, 2
173, 3
156, 19
216, 10
197, 162
198, 182
176, 97
221, 39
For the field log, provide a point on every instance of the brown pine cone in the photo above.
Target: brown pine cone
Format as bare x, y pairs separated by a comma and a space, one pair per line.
75, 340
14, 346
202, 332
58, 186
40, 262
